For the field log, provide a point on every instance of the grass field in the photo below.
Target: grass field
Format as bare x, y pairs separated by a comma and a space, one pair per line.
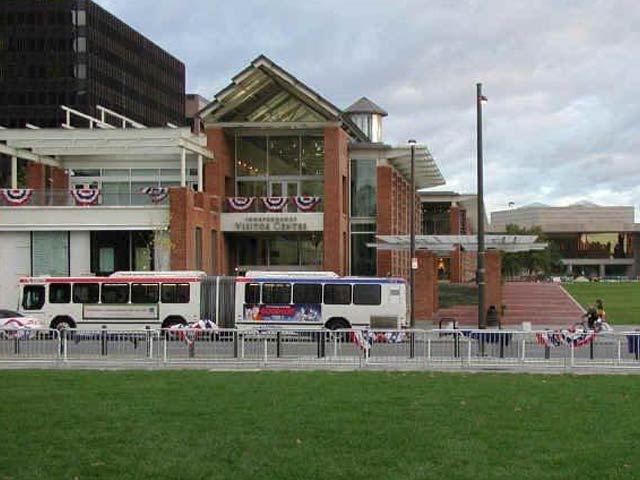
621, 300
316, 425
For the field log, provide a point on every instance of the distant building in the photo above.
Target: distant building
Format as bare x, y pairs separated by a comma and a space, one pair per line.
192, 105
593, 240
75, 53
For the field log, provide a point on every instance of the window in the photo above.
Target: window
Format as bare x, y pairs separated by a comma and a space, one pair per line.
50, 253
312, 156
284, 155
33, 297
115, 293
251, 156
252, 293
60, 293
175, 293
337, 294
366, 294
86, 292
144, 293
307, 293
363, 188
276, 293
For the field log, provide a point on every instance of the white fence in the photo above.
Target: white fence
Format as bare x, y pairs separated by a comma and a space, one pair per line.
413, 349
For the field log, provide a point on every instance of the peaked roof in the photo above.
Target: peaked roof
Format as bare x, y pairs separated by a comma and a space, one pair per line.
364, 105
265, 92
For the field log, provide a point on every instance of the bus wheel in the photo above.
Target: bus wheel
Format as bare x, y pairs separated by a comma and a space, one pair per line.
62, 323
173, 321
337, 324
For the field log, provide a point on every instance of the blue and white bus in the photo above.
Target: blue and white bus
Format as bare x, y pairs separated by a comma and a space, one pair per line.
320, 299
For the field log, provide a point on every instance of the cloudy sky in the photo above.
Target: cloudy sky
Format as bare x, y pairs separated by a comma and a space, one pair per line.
562, 77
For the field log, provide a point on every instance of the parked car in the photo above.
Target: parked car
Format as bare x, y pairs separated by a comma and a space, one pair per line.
14, 324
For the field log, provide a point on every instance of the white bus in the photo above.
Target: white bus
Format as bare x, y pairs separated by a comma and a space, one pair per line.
320, 299
123, 300
131, 300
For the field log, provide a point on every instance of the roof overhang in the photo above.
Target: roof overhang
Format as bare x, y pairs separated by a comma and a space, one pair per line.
51, 145
427, 173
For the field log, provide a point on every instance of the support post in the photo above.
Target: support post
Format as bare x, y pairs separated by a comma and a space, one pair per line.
200, 174
183, 167
14, 172
412, 236
480, 258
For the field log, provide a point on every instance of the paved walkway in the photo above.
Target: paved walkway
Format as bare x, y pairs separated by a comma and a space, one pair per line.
538, 303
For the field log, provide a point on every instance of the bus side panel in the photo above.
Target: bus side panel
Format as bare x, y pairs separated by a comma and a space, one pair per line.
226, 302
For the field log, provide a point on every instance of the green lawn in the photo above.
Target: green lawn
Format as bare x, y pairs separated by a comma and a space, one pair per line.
453, 294
621, 300
316, 425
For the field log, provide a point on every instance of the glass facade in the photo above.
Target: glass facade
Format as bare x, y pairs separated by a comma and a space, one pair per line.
300, 250
363, 216
593, 245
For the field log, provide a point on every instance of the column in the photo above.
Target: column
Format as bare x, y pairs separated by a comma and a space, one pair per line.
183, 167
200, 174
603, 270
14, 172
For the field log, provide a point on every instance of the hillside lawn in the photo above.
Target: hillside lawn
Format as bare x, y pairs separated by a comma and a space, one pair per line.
621, 300
316, 425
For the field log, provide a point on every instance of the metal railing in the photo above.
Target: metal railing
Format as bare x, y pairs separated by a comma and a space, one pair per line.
286, 348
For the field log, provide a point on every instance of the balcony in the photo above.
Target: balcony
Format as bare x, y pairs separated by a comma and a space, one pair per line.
65, 198
60, 210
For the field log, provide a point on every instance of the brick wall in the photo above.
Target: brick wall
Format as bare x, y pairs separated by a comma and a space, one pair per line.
426, 286
336, 191
40, 177
393, 218
188, 210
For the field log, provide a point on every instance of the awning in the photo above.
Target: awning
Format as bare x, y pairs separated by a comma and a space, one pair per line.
443, 244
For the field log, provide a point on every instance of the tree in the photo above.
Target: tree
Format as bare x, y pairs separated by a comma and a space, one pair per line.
538, 262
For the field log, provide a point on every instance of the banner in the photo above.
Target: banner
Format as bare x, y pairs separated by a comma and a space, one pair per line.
305, 203
301, 313
274, 204
567, 337
156, 194
17, 196
240, 204
366, 338
85, 196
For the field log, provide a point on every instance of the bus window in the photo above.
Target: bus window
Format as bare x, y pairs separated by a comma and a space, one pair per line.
366, 294
144, 293
337, 294
33, 297
276, 293
86, 292
175, 293
59, 293
252, 293
307, 293
115, 293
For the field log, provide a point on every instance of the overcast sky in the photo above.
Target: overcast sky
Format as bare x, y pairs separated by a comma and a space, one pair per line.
562, 78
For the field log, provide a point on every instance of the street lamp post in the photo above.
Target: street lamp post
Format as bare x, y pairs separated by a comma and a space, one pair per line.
412, 234
480, 280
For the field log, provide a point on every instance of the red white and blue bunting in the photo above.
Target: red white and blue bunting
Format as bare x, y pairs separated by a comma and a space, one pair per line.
156, 194
17, 196
305, 203
85, 196
274, 204
240, 204
565, 337
366, 338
